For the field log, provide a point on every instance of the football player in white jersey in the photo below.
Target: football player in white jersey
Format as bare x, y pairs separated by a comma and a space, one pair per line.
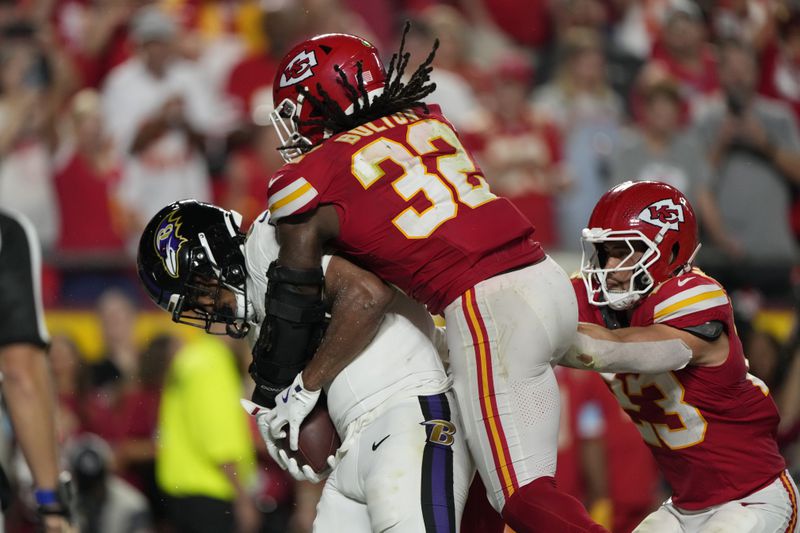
404, 464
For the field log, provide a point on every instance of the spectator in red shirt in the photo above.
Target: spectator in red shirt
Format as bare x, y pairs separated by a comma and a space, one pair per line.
519, 151
780, 65
683, 50
86, 173
252, 77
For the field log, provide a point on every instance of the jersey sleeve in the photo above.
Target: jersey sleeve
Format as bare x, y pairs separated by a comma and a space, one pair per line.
20, 283
291, 194
691, 300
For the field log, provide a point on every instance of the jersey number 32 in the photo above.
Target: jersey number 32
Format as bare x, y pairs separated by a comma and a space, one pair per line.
453, 183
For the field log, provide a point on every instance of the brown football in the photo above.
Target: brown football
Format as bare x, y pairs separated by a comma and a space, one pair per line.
317, 439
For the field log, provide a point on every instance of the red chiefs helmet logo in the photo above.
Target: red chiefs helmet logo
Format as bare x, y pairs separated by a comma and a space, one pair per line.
299, 68
664, 214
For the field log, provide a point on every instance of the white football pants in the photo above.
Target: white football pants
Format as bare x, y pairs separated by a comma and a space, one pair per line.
772, 509
409, 471
502, 335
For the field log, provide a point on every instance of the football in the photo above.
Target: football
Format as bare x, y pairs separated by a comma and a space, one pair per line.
317, 439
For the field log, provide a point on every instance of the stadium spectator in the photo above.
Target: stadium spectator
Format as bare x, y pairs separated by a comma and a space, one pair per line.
134, 452
453, 90
684, 51
205, 457
86, 172
251, 79
243, 188
754, 150
26, 115
658, 148
70, 378
158, 109
94, 35
780, 64
519, 152
752, 21
116, 369
104, 502
580, 101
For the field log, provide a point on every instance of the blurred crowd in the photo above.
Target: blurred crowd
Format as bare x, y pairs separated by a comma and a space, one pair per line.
111, 109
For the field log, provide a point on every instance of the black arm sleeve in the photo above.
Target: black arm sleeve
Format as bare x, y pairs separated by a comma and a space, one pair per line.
20, 283
709, 331
290, 333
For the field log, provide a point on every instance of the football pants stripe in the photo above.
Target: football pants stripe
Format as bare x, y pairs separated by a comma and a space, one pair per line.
789, 486
438, 503
488, 402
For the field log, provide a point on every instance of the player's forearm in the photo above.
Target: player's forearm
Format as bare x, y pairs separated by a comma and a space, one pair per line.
625, 350
356, 315
29, 395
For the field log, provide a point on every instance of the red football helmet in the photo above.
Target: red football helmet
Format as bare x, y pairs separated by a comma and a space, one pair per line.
311, 64
650, 217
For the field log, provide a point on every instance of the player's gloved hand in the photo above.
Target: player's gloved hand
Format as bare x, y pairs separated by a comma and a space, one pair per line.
301, 473
260, 414
292, 406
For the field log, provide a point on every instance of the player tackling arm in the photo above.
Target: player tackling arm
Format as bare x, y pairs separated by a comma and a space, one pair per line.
357, 299
358, 303
705, 349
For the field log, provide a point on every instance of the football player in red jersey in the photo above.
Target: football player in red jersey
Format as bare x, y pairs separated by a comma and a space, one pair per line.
384, 179
710, 425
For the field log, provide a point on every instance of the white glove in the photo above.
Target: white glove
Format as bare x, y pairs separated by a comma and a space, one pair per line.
260, 414
282, 459
301, 473
292, 406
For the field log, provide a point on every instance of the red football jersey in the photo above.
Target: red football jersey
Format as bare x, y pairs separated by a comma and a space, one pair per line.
711, 429
413, 206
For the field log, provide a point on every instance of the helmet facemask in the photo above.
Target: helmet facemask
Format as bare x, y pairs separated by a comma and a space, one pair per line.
595, 274
201, 303
285, 118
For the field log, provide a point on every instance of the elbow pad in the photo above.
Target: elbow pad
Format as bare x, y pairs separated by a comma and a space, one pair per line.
290, 332
652, 357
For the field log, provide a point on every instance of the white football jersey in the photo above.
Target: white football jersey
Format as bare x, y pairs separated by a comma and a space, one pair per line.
401, 360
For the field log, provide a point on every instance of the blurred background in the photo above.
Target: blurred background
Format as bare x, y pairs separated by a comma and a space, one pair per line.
110, 109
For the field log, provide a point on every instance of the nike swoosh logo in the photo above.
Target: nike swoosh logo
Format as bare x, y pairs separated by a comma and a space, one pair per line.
285, 397
684, 281
376, 444
273, 180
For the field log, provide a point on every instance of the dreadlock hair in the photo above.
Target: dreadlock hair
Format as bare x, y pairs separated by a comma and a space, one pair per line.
396, 96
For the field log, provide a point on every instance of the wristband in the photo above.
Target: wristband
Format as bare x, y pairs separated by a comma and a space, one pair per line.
46, 496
